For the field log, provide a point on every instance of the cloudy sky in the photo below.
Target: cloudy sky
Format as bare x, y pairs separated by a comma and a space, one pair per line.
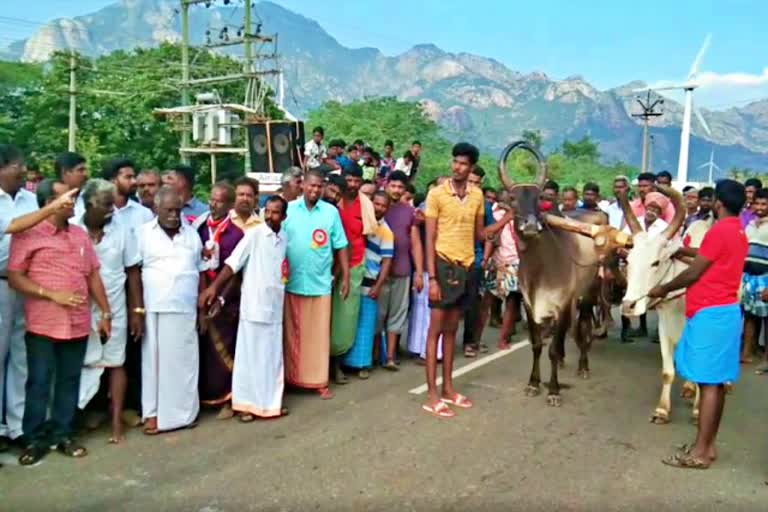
607, 42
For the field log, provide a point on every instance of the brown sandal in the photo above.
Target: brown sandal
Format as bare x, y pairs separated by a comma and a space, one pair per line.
246, 418
684, 460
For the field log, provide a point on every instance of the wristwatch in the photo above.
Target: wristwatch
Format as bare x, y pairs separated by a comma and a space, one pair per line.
106, 316
139, 311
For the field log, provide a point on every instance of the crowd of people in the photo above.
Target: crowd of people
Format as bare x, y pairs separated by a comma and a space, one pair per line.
125, 293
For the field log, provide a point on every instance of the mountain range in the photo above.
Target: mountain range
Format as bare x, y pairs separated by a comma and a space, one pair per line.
470, 96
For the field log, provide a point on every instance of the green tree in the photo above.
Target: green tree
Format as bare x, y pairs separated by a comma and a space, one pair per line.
534, 138
744, 174
583, 148
378, 119
117, 95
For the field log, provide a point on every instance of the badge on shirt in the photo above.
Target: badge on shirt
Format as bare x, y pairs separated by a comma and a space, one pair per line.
319, 239
284, 271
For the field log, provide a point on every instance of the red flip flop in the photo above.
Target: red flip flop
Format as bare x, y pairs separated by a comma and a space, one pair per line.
440, 410
459, 401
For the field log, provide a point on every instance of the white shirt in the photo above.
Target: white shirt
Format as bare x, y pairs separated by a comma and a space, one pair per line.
655, 229
262, 253
315, 153
117, 250
10, 208
79, 208
400, 165
170, 268
615, 214
133, 215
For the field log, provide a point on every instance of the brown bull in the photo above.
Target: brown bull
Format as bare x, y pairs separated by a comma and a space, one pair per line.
558, 273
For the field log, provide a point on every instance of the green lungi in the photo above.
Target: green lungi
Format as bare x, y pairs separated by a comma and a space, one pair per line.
344, 313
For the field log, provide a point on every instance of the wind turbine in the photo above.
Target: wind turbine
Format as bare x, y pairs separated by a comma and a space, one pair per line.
685, 134
712, 166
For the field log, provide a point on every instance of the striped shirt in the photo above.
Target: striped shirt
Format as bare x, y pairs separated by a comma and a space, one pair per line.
378, 245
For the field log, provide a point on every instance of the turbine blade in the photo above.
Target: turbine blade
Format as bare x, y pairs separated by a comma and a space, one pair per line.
703, 166
702, 121
683, 86
699, 57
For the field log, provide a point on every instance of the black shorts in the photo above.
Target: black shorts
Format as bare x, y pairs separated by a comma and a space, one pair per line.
458, 285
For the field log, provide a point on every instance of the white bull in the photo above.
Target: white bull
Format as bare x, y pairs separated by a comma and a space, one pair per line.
652, 262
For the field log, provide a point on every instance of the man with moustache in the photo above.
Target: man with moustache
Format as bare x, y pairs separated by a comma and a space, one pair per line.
244, 214
121, 172
359, 221
219, 237
408, 260
147, 184
72, 172
118, 254
18, 212
56, 268
257, 376
316, 235
173, 274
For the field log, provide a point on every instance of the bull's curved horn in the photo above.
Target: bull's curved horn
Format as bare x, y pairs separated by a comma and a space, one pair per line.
680, 210
541, 174
629, 215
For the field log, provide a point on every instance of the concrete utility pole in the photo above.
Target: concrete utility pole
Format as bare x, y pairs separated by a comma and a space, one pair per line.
647, 113
253, 75
185, 124
72, 131
651, 140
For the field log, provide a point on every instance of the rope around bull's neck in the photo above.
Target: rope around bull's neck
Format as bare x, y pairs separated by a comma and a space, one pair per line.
661, 279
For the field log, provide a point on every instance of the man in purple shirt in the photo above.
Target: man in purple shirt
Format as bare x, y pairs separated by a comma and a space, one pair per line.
394, 297
751, 186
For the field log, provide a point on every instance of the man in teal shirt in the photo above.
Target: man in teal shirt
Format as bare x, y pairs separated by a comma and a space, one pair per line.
314, 232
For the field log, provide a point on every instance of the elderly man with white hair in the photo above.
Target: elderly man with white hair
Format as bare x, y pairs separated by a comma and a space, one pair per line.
117, 250
173, 273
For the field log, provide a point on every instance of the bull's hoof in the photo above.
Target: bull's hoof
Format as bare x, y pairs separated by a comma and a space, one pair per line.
583, 373
728, 388
554, 400
660, 418
531, 390
695, 418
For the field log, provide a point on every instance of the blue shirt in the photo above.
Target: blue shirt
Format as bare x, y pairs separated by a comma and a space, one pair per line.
194, 208
312, 237
343, 161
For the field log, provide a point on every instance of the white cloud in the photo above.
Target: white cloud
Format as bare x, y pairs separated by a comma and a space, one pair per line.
719, 91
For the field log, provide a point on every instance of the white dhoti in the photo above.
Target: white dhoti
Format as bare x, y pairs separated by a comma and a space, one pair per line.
13, 374
170, 364
100, 356
257, 377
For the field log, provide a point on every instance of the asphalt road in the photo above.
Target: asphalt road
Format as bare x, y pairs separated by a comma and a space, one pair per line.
372, 448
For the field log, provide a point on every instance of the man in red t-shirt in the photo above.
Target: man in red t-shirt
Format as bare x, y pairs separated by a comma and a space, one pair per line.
345, 311
708, 350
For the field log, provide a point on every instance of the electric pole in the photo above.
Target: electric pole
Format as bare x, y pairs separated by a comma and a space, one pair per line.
651, 141
185, 124
72, 102
647, 113
252, 72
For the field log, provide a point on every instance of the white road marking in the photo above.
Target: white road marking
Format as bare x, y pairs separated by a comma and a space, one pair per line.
475, 364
